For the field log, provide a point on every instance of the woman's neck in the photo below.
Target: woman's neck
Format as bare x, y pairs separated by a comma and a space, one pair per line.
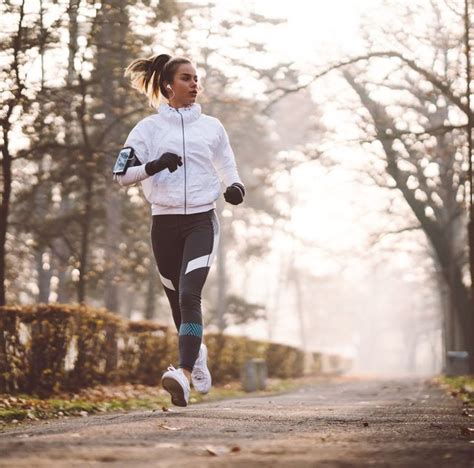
178, 105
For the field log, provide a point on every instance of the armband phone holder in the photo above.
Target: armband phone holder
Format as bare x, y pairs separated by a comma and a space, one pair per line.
125, 159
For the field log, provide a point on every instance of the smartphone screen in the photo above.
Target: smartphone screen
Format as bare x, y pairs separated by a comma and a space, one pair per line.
125, 155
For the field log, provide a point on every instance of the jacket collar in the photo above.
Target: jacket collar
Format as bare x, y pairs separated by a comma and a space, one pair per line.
189, 113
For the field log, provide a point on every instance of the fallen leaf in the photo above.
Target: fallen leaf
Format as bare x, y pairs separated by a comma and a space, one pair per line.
106, 458
366, 424
168, 445
164, 408
467, 431
169, 428
211, 451
216, 451
437, 425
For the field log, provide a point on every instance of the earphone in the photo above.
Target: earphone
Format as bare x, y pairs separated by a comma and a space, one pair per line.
168, 86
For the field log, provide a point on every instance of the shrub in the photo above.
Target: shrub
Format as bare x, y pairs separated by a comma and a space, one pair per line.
50, 347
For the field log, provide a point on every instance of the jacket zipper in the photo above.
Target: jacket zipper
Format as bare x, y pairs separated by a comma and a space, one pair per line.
184, 158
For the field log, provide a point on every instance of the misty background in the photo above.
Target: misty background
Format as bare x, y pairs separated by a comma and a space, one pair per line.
348, 124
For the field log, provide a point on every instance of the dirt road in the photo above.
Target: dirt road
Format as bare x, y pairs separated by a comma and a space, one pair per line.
345, 422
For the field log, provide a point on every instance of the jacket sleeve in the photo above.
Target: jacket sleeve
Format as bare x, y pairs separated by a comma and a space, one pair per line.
224, 159
135, 174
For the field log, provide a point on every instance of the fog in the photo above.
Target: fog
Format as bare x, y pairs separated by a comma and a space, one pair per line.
338, 291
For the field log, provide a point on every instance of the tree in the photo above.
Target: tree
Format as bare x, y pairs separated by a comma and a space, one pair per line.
414, 129
20, 40
73, 140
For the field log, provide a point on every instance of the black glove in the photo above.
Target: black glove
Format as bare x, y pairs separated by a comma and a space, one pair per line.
166, 160
234, 194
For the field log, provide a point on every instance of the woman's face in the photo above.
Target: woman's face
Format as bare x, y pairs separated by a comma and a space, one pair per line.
184, 88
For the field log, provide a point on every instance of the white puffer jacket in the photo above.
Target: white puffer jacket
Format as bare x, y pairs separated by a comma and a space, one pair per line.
203, 144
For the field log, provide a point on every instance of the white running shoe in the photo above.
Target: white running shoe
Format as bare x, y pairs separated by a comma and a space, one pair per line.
177, 384
200, 376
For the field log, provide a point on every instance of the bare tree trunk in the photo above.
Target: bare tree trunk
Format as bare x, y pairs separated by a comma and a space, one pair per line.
128, 298
275, 297
294, 276
411, 344
7, 159
85, 232
470, 125
41, 200
434, 231
300, 307
151, 292
5, 206
44, 278
113, 24
86, 212
447, 335
60, 248
113, 233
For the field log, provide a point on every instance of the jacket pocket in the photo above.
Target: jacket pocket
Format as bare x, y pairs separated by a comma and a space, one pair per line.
168, 189
203, 188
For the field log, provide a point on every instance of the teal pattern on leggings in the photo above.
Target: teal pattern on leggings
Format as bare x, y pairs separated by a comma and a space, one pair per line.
194, 329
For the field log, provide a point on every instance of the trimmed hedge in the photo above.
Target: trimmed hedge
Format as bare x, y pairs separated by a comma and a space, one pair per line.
46, 348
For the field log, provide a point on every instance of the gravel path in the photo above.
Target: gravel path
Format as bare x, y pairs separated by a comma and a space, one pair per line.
341, 423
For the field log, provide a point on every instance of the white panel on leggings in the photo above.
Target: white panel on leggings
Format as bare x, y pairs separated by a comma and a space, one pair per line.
217, 231
196, 263
166, 282
205, 260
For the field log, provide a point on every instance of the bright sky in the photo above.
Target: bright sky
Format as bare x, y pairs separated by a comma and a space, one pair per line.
311, 25
314, 23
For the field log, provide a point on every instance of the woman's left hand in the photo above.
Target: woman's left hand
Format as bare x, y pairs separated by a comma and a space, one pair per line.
234, 194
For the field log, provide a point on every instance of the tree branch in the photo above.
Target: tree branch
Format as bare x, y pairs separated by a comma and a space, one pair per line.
436, 81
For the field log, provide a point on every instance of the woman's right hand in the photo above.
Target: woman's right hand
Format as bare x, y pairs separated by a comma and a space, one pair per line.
166, 160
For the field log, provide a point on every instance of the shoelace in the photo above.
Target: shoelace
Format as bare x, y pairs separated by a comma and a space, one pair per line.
198, 371
199, 374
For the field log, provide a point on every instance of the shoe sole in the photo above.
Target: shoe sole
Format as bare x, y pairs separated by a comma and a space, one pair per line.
175, 390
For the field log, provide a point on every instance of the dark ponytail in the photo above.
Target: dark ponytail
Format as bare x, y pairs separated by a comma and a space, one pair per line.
149, 75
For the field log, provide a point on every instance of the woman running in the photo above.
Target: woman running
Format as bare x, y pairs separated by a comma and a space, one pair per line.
180, 157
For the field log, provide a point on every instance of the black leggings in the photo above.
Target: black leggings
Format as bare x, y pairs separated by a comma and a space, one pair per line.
184, 247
